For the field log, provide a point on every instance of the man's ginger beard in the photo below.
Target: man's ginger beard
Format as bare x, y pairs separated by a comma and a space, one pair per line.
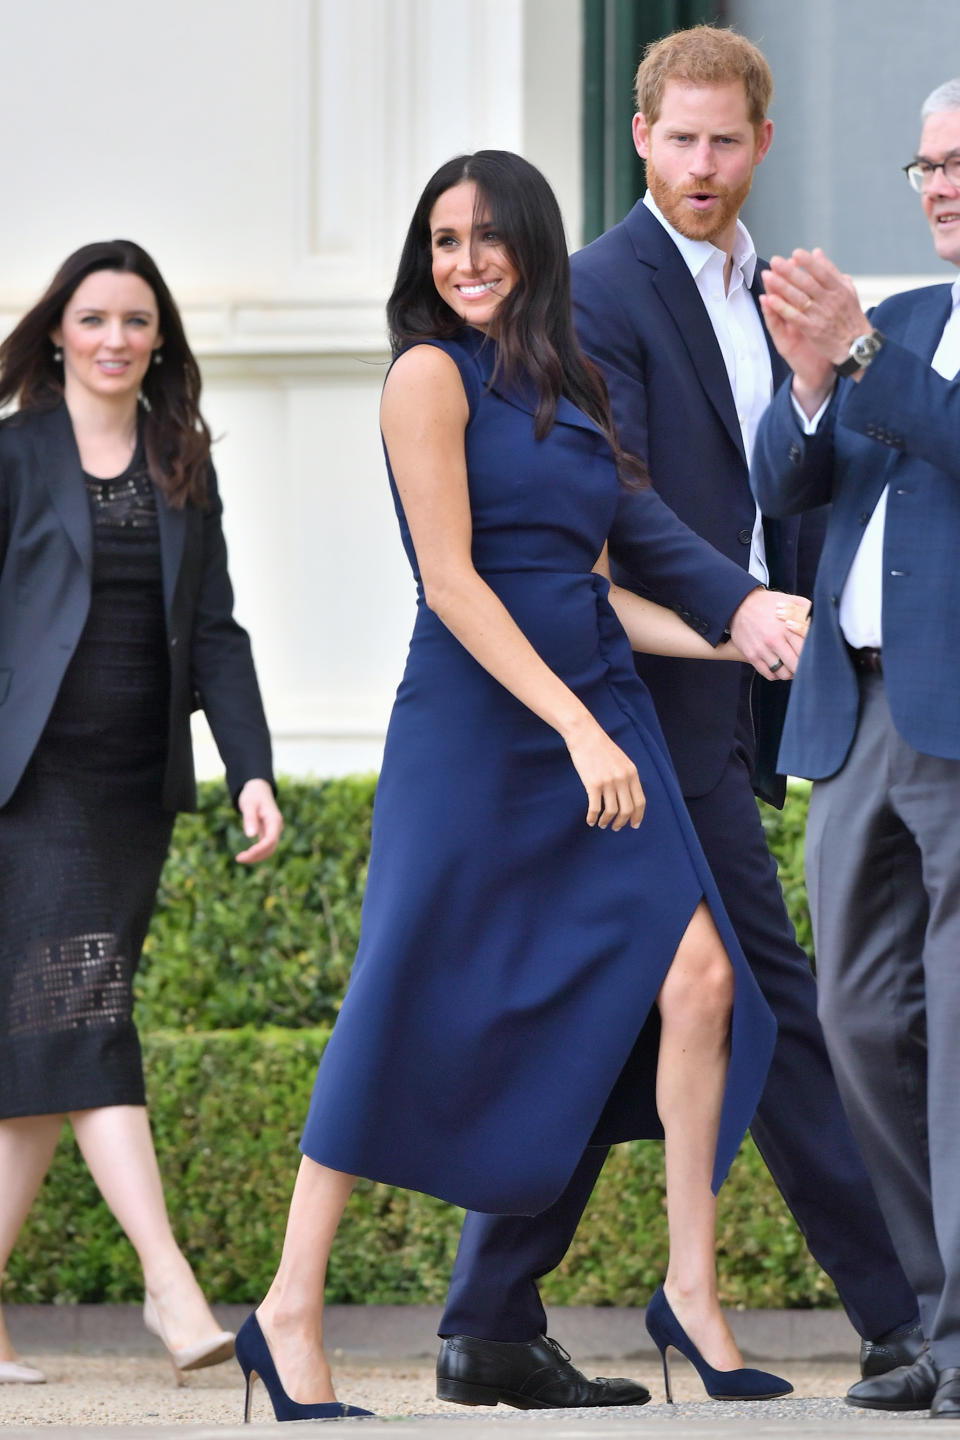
689, 222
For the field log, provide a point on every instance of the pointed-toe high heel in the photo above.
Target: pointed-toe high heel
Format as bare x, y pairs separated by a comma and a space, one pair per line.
192, 1357
256, 1362
665, 1330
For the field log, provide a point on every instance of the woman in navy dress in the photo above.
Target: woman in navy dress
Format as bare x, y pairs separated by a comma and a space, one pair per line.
544, 956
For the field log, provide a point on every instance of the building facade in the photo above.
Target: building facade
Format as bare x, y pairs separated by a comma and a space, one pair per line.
269, 153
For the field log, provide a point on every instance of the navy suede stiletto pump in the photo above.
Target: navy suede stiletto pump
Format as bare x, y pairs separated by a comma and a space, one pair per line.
665, 1330
256, 1362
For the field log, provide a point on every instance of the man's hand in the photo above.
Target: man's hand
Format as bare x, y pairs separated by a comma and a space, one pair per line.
813, 376
819, 317
261, 818
761, 630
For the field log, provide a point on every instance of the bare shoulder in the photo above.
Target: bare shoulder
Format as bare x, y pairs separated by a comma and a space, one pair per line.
425, 379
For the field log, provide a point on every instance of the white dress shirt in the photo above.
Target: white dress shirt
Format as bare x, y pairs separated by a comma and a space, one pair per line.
861, 600
740, 334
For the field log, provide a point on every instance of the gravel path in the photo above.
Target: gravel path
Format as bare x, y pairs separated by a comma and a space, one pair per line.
123, 1390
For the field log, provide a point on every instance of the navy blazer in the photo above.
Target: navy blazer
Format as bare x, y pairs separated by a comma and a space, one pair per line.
898, 426
46, 561
639, 315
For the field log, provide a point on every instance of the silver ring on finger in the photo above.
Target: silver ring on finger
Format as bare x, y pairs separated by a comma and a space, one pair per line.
777, 665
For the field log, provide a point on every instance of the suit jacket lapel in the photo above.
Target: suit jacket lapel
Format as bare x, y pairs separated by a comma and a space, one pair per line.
773, 530
778, 365
58, 461
677, 289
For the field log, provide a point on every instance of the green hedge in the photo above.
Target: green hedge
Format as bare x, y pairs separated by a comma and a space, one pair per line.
270, 944
242, 977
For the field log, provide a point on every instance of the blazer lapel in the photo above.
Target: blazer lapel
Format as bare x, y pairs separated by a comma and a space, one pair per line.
58, 461
172, 527
677, 290
929, 313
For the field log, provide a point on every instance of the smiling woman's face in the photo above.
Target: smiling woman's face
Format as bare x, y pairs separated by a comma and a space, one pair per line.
472, 269
108, 332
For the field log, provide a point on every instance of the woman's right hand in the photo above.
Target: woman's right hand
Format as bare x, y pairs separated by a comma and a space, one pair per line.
615, 796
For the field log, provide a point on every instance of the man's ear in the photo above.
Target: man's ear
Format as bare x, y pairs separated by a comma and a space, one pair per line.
764, 141
641, 135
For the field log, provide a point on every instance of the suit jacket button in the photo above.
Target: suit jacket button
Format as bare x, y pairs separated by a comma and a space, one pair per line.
795, 454
744, 536
834, 599
173, 641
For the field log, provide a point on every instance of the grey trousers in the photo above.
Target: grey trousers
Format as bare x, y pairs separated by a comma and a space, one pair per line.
883, 875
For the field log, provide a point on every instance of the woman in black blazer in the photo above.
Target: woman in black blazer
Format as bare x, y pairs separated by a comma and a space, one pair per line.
115, 622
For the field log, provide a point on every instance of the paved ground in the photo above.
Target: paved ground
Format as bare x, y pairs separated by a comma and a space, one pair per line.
106, 1378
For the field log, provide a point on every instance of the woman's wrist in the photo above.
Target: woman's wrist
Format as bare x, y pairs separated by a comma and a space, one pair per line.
576, 727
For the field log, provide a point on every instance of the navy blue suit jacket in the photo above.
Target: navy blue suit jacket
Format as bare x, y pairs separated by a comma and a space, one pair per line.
639, 315
46, 564
899, 426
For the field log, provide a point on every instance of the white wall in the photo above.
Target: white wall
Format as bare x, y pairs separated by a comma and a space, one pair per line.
269, 154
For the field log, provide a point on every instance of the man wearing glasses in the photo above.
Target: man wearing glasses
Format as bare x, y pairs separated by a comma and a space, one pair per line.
874, 721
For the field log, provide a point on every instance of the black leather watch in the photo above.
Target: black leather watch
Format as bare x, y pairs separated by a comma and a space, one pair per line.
863, 350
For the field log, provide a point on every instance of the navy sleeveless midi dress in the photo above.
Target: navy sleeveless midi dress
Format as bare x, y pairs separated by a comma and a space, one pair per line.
500, 1013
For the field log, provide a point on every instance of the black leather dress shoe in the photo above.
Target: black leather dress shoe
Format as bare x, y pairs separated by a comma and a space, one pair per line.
534, 1375
911, 1387
946, 1402
900, 1347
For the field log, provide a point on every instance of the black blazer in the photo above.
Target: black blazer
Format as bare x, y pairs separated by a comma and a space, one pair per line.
46, 558
639, 315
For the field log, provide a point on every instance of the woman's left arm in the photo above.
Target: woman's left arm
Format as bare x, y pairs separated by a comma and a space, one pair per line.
655, 630
225, 681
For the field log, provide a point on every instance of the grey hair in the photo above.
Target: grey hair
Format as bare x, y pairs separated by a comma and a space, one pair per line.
945, 97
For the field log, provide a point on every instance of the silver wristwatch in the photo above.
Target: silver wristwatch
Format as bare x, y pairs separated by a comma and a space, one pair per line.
862, 352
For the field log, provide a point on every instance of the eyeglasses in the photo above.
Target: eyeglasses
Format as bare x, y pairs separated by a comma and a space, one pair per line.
921, 172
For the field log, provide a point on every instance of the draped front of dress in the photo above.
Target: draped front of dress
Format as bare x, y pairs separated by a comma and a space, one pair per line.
501, 1011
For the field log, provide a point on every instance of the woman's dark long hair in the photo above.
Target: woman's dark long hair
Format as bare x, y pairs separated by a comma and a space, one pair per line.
176, 436
536, 341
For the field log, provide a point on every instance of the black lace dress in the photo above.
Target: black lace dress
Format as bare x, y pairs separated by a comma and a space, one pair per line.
84, 837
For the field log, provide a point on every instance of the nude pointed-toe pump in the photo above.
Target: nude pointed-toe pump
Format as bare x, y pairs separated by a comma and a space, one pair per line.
191, 1357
